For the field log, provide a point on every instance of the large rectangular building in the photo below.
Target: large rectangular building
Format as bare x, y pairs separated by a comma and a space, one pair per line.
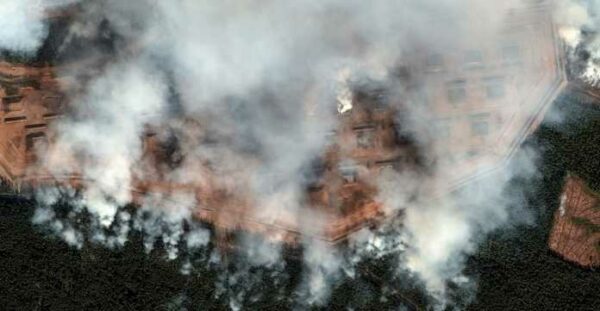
479, 102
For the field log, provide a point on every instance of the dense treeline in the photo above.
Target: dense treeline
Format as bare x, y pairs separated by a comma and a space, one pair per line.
515, 267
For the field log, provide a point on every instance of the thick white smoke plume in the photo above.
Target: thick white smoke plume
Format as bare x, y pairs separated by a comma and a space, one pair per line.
22, 26
260, 76
24, 30
122, 101
579, 22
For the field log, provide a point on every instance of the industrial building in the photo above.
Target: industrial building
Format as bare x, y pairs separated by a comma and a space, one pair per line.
481, 103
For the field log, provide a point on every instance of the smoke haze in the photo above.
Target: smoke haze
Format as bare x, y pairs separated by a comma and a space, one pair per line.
579, 22
250, 72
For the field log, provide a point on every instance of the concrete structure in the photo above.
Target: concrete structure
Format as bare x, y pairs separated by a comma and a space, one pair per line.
30, 99
487, 98
482, 103
341, 192
575, 235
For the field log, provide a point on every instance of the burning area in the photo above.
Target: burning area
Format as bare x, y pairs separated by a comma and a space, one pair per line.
343, 129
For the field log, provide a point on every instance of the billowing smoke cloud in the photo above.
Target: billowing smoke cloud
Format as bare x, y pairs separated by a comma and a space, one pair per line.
22, 27
578, 26
24, 30
122, 101
248, 88
438, 233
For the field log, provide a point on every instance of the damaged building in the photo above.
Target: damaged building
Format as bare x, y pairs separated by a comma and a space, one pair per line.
31, 99
482, 102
